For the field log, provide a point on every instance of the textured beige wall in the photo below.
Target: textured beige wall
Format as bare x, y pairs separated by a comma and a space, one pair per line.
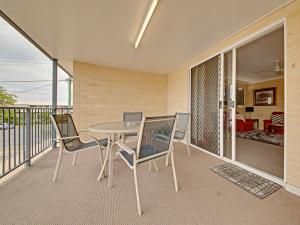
292, 14
102, 93
177, 93
263, 112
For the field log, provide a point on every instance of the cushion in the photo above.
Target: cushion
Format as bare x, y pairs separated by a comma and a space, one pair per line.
240, 117
277, 119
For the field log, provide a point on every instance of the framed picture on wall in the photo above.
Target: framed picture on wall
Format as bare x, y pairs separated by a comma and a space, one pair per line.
264, 96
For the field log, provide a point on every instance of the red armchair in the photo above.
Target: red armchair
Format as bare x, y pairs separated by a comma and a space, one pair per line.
243, 125
276, 123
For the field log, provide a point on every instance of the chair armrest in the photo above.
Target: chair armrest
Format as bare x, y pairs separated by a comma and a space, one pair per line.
125, 147
83, 131
66, 138
88, 135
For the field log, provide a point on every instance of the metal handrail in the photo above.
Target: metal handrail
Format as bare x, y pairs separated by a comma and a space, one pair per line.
25, 132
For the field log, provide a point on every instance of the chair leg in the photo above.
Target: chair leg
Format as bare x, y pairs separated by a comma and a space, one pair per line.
174, 171
106, 158
137, 191
74, 159
167, 159
188, 149
101, 159
60, 152
187, 144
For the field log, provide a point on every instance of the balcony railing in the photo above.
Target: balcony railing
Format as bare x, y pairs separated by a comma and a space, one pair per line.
25, 132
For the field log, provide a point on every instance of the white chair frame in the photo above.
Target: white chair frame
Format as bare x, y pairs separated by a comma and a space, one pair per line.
186, 138
123, 136
136, 160
62, 149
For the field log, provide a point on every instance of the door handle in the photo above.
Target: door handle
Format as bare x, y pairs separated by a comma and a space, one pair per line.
232, 104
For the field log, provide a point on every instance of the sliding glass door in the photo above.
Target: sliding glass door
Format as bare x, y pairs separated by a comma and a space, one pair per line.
228, 105
205, 117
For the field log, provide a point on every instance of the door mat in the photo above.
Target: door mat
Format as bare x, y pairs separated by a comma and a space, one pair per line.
250, 182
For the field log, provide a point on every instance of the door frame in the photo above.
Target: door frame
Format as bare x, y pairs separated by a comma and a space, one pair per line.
259, 33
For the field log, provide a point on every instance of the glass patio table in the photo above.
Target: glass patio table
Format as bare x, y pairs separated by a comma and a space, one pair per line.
113, 130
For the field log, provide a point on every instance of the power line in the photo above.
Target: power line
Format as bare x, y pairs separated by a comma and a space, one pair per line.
32, 89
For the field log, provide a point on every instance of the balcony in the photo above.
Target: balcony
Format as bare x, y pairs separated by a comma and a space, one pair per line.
111, 76
78, 198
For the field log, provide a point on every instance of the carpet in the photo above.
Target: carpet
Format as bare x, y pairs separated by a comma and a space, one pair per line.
261, 136
250, 182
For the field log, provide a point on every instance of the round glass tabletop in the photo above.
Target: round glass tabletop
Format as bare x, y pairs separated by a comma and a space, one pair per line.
116, 127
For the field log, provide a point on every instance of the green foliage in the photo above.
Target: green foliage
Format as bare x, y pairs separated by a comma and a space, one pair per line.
6, 99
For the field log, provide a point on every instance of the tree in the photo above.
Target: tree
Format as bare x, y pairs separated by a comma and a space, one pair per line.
6, 99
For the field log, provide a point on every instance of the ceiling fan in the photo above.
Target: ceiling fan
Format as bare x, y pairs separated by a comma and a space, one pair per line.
277, 69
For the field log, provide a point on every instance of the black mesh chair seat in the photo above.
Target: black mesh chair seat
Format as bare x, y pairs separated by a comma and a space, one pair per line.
155, 140
69, 140
145, 151
66, 128
130, 135
83, 146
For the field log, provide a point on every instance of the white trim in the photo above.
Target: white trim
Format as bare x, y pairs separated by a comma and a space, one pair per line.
292, 189
244, 166
205, 151
264, 80
221, 107
233, 110
241, 30
189, 95
256, 171
285, 102
261, 32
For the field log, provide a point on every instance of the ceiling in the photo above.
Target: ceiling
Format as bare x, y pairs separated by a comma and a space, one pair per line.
103, 31
261, 55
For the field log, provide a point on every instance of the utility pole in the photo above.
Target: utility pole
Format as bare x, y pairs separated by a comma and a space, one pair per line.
69, 80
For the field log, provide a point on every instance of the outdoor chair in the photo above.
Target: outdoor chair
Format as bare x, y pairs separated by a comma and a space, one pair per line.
154, 141
131, 117
181, 131
69, 140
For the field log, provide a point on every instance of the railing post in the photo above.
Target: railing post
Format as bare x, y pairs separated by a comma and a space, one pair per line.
54, 98
28, 137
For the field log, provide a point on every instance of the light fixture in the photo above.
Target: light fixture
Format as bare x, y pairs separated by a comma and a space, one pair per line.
145, 23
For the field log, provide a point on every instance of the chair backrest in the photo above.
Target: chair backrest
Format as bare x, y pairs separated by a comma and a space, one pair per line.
277, 118
65, 127
155, 136
132, 116
181, 124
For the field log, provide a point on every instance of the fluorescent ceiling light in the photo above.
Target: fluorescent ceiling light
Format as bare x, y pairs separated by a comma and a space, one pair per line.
145, 23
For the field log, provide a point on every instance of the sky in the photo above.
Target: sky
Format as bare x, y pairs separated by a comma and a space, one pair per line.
22, 61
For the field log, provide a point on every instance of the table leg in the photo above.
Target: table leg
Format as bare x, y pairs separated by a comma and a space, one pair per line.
110, 168
111, 163
106, 157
